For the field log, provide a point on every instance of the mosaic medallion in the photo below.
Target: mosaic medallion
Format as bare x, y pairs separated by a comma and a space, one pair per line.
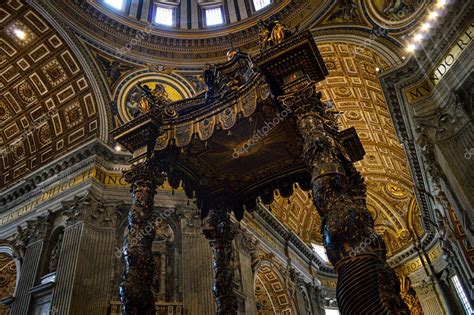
394, 14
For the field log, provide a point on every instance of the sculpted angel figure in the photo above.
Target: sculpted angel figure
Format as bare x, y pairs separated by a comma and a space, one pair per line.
278, 32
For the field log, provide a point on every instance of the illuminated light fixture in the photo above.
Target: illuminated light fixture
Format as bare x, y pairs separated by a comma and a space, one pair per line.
441, 3
116, 4
19, 33
425, 26
403, 57
118, 148
411, 47
418, 37
433, 15
377, 69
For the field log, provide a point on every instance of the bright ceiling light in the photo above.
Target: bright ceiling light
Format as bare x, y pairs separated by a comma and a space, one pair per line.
418, 37
118, 148
441, 3
411, 47
19, 33
377, 69
433, 15
425, 26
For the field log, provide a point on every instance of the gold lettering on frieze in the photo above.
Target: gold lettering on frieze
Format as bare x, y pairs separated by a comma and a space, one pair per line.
426, 87
101, 176
416, 263
108, 179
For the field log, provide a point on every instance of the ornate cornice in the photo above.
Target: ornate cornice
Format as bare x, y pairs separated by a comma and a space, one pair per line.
109, 32
32, 185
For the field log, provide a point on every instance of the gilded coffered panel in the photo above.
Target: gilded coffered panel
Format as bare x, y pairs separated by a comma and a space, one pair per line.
353, 87
46, 103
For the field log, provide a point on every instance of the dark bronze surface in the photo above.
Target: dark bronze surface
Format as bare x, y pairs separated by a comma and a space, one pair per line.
136, 285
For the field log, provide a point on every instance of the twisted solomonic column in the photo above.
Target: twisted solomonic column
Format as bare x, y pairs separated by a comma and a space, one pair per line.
136, 285
220, 231
366, 284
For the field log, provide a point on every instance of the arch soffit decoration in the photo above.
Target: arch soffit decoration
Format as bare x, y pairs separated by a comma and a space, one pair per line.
6, 253
274, 287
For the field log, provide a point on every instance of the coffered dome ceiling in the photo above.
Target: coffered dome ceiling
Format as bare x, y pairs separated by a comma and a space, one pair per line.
55, 82
47, 106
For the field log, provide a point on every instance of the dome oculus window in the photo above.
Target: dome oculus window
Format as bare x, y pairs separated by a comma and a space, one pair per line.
214, 16
164, 15
115, 4
260, 4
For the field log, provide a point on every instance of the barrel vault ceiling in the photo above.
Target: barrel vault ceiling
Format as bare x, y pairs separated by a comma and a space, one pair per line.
47, 105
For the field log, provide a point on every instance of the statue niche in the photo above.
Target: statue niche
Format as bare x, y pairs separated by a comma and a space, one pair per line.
165, 255
54, 252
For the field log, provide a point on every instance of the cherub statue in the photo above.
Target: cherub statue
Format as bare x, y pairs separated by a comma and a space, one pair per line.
159, 94
278, 32
264, 35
